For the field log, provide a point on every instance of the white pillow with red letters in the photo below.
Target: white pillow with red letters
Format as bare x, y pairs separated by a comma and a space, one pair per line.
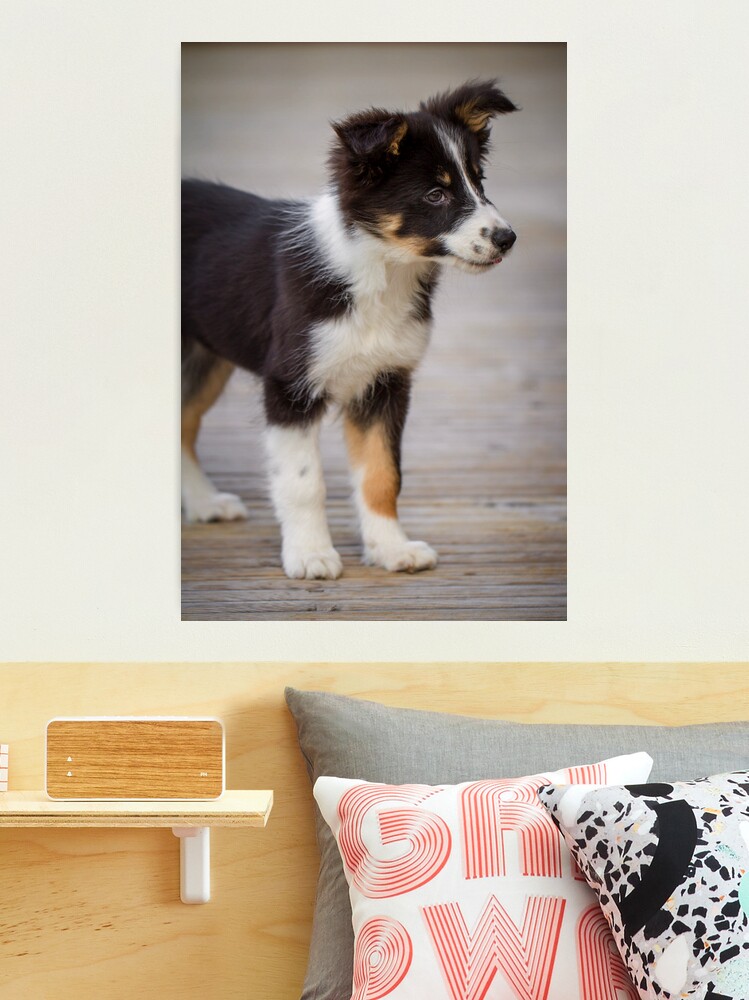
468, 892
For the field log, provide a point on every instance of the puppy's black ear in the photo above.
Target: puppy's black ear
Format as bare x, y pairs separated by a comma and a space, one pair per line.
371, 140
471, 106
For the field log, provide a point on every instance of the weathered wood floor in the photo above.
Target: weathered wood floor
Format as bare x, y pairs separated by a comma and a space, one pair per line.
484, 452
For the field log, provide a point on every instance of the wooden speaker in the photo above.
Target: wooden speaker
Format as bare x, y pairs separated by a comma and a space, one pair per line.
135, 758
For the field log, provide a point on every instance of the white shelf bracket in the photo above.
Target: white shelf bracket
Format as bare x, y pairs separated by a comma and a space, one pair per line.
194, 863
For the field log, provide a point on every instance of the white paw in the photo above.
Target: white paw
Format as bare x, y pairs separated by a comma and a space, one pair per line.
215, 507
322, 564
408, 557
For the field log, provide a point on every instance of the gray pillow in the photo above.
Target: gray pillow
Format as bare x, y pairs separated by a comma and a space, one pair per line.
348, 738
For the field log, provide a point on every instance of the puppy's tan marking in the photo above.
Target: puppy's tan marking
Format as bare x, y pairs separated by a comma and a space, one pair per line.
202, 401
394, 147
444, 178
474, 118
370, 451
390, 226
419, 245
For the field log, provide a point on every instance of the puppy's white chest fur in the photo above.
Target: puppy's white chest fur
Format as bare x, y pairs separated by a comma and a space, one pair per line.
380, 333
382, 330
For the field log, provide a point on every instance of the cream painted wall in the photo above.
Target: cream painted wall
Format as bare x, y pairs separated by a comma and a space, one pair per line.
658, 468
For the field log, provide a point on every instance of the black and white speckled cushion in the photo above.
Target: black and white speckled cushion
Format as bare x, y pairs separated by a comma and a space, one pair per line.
670, 864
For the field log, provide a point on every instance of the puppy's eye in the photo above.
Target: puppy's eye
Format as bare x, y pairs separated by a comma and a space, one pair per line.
436, 196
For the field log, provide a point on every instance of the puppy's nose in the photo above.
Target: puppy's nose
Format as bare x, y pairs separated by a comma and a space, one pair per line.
503, 239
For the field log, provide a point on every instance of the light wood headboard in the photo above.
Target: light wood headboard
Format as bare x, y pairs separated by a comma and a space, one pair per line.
97, 912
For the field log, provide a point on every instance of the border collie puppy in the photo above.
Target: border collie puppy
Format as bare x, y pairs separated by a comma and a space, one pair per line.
328, 301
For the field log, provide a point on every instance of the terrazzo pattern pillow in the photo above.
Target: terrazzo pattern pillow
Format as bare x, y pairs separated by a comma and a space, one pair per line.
670, 865
466, 892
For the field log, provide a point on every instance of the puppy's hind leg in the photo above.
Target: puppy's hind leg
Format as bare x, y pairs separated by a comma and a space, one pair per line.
204, 376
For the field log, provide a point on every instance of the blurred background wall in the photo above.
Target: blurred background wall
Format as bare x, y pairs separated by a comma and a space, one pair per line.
257, 116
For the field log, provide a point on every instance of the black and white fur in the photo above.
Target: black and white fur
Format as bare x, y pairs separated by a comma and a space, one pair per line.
329, 302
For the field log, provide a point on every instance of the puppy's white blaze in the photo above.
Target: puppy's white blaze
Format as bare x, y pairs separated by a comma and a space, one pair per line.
297, 489
379, 332
457, 155
464, 240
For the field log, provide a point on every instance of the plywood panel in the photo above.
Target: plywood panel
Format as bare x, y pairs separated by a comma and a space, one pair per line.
86, 913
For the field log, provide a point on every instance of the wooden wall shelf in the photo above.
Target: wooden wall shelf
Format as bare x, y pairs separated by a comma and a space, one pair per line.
190, 821
234, 808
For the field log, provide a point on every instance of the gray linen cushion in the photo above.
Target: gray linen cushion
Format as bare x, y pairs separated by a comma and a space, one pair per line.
349, 738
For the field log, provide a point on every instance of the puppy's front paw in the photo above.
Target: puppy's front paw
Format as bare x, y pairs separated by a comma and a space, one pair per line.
215, 507
407, 557
322, 564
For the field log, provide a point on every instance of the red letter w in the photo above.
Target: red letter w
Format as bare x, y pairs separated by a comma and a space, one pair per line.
470, 959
